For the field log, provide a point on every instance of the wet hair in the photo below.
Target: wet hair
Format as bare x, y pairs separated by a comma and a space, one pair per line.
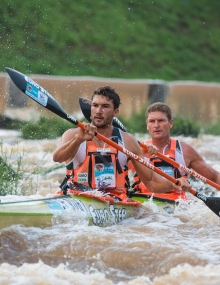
110, 93
160, 107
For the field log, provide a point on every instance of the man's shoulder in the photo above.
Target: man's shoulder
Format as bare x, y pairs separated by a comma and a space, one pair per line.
187, 149
131, 143
128, 136
70, 133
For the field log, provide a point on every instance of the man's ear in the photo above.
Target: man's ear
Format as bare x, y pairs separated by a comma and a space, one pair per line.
116, 112
146, 125
171, 123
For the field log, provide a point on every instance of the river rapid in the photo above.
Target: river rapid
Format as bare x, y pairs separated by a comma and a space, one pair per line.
151, 249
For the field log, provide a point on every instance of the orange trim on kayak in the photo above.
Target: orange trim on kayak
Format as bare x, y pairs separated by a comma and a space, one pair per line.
100, 198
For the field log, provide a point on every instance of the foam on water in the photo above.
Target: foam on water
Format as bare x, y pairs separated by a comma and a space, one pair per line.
152, 248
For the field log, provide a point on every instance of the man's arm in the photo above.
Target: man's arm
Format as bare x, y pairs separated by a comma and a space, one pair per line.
71, 141
195, 161
153, 181
68, 146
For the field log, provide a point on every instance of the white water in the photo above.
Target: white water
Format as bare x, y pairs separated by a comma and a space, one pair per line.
154, 248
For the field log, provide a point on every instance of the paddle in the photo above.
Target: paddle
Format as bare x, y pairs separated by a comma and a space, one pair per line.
85, 105
42, 97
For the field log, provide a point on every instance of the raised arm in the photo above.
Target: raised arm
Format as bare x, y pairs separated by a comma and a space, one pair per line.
70, 142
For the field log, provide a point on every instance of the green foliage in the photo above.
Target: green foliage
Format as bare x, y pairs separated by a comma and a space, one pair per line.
15, 179
45, 128
136, 124
122, 39
212, 129
182, 126
15, 125
10, 124
9, 178
185, 127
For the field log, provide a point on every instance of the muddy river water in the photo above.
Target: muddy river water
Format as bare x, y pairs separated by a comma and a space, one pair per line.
153, 248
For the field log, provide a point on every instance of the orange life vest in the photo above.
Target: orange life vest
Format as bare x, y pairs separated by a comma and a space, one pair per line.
101, 169
168, 168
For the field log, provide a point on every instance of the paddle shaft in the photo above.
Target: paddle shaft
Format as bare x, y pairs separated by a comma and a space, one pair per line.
42, 97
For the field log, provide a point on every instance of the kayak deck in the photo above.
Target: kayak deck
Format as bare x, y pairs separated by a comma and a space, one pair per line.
43, 212
94, 210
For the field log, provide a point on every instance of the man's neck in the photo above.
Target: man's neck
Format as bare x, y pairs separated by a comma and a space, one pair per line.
161, 143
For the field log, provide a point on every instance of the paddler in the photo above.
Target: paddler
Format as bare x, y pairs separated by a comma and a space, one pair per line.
91, 162
159, 122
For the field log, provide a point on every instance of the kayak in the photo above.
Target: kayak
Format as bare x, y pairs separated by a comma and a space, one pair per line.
94, 210
42, 97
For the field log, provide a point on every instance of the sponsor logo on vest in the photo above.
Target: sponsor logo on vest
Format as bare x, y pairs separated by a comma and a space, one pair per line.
103, 150
82, 177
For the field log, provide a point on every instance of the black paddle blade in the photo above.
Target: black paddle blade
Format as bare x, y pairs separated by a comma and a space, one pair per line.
212, 202
37, 93
18, 79
85, 105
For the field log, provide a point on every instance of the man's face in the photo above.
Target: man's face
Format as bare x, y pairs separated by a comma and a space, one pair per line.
102, 111
158, 125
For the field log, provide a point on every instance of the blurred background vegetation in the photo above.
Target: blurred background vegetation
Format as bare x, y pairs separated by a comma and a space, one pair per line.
160, 39
168, 40
54, 127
